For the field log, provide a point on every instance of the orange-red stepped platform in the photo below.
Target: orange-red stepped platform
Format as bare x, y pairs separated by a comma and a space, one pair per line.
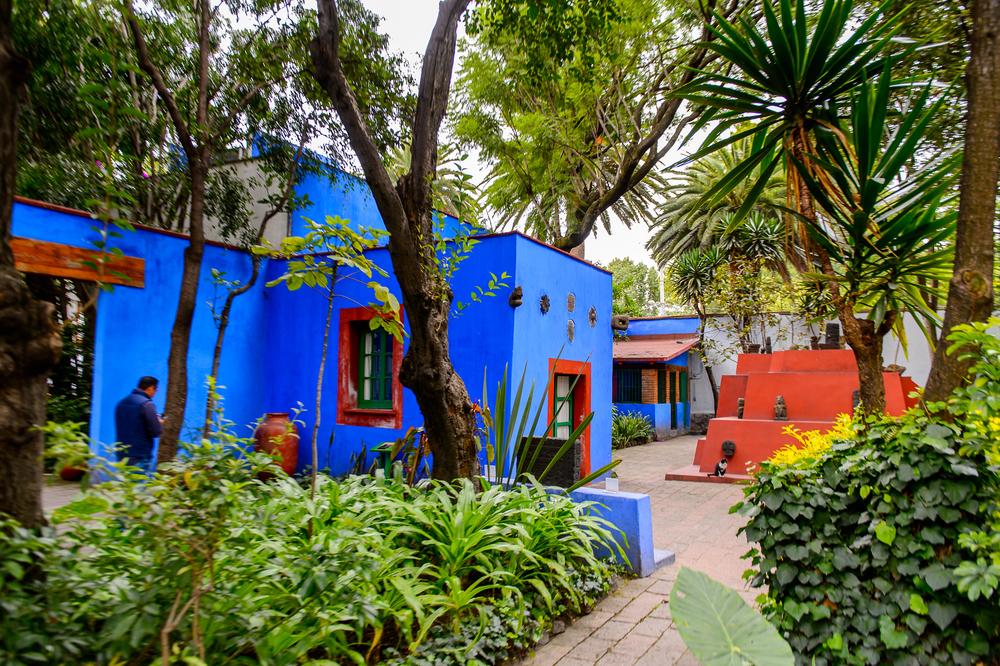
817, 386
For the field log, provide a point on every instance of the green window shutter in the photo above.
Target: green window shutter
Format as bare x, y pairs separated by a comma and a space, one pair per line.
684, 387
562, 407
661, 386
375, 370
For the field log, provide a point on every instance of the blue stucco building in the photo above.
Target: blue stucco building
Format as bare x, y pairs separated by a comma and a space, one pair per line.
274, 342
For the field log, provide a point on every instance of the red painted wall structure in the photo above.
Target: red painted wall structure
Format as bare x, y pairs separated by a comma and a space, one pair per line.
817, 387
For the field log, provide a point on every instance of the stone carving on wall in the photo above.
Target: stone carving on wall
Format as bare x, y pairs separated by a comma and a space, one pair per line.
570, 329
570, 302
544, 304
592, 316
619, 322
514, 300
729, 448
740, 403
780, 409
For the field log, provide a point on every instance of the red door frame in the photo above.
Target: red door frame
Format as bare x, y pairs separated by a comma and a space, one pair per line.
581, 402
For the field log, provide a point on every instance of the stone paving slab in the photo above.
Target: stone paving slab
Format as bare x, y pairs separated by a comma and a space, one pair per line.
633, 627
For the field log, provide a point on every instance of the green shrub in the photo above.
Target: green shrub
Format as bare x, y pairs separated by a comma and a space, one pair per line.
865, 552
208, 563
629, 429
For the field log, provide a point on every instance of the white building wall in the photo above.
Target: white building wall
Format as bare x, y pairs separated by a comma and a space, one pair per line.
916, 358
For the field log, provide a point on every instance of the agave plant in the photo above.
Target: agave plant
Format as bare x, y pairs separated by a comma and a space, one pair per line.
513, 454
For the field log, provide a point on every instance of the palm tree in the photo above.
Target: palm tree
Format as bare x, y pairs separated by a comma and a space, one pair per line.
790, 83
691, 275
684, 222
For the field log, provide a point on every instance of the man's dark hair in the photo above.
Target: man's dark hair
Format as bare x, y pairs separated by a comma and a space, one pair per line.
147, 381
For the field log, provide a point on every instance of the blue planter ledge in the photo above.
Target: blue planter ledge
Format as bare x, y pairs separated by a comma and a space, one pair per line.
630, 513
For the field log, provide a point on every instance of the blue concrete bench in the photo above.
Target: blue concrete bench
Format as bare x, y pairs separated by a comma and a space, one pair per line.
630, 513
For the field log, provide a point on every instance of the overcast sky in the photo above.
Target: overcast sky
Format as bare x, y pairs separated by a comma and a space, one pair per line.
408, 24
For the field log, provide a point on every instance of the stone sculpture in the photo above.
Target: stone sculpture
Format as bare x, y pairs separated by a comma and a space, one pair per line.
740, 402
544, 304
780, 409
729, 448
570, 330
592, 316
514, 300
570, 302
856, 398
767, 345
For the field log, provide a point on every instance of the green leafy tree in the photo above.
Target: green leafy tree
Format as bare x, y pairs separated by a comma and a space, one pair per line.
574, 136
692, 275
634, 287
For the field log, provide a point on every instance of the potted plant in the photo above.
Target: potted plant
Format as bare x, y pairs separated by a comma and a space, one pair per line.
69, 447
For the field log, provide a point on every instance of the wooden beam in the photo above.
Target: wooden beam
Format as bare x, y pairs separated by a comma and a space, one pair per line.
35, 256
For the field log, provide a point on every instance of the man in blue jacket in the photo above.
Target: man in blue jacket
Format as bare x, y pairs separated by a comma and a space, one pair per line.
137, 424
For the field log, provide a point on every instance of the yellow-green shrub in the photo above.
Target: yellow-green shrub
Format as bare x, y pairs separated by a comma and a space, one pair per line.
812, 444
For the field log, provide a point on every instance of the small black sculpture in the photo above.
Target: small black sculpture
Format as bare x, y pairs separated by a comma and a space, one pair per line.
592, 316
514, 300
544, 304
570, 329
833, 334
767, 345
780, 409
753, 349
856, 399
729, 448
570, 302
740, 403
814, 342
720, 468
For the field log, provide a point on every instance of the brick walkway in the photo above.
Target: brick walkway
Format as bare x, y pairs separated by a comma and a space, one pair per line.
632, 627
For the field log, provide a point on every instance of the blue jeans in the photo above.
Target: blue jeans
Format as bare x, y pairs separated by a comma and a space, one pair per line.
146, 464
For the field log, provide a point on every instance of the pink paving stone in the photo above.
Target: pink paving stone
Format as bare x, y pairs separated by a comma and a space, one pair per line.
573, 636
616, 659
661, 587
591, 649
550, 654
634, 644
652, 626
640, 608
594, 619
613, 630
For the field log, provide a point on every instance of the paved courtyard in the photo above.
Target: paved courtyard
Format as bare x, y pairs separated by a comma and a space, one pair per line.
632, 627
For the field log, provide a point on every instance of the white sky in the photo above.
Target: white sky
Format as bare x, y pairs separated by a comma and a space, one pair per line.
408, 24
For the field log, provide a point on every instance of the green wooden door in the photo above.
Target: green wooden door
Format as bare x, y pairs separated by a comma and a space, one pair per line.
673, 400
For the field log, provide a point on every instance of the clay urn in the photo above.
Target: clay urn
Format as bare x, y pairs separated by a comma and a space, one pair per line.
278, 436
71, 473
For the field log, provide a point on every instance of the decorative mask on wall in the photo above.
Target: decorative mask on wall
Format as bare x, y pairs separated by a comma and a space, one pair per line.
544, 304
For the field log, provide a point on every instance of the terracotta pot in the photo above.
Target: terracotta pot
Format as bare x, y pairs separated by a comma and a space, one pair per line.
71, 474
279, 436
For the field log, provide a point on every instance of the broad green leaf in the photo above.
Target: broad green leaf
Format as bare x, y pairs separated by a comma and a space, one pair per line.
885, 533
720, 628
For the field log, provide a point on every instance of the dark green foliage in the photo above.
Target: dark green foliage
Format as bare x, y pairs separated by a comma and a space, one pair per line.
858, 551
229, 568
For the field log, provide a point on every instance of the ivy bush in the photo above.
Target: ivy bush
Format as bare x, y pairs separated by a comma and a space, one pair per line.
879, 550
206, 564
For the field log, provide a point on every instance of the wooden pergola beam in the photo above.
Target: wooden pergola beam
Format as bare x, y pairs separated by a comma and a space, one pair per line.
57, 260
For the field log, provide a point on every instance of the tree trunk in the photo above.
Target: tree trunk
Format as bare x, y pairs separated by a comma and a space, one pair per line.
866, 342
30, 343
406, 209
715, 389
180, 336
970, 293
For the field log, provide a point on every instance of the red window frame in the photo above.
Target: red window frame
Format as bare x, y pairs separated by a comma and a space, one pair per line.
581, 402
352, 322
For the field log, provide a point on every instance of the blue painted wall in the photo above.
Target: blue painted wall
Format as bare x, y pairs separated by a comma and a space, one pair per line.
133, 325
663, 325
659, 414
273, 347
538, 337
